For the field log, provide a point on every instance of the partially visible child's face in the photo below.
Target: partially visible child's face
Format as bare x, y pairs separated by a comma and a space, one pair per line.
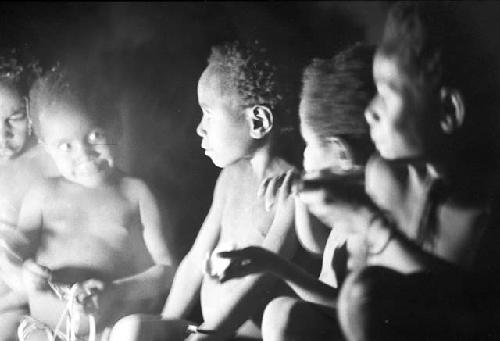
320, 154
13, 123
397, 113
224, 131
80, 149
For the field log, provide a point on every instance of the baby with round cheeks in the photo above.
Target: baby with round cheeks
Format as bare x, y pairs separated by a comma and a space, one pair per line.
93, 224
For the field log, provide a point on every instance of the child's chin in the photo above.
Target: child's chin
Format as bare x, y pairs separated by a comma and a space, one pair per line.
218, 163
90, 180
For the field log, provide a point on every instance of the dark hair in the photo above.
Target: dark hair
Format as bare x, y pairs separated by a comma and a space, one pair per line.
337, 92
435, 48
247, 68
252, 70
435, 45
255, 72
63, 85
18, 71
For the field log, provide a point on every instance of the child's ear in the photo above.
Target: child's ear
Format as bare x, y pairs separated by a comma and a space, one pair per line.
343, 151
452, 110
261, 121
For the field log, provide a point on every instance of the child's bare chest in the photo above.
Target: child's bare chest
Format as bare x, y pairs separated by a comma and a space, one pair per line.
245, 220
100, 232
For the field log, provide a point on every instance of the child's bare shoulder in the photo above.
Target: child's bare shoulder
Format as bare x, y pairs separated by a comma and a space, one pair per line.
134, 189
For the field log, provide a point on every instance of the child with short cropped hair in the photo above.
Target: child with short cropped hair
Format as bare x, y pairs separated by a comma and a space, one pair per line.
240, 95
93, 226
334, 95
428, 191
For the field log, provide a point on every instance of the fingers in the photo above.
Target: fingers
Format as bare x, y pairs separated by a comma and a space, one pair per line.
315, 197
35, 276
271, 192
93, 285
263, 186
276, 188
287, 188
229, 254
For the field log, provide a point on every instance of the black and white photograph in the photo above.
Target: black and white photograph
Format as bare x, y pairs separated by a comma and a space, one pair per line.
273, 171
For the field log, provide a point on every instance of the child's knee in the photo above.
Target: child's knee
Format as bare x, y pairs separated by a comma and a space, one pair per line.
277, 318
361, 301
128, 328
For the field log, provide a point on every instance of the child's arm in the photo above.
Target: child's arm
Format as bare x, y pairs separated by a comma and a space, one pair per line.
311, 232
150, 285
188, 278
247, 295
356, 213
22, 243
252, 260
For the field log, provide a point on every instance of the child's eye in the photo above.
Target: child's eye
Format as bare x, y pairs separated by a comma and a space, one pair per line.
97, 137
64, 147
17, 116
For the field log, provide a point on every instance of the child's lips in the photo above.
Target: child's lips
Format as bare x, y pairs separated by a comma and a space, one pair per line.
90, 167
206, 149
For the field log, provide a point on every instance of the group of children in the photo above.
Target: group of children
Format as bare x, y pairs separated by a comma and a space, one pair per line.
395, 198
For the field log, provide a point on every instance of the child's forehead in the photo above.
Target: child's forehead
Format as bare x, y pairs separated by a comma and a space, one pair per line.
215, 83
391, 69
68, 115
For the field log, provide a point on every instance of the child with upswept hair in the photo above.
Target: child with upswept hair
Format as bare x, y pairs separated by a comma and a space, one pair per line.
429, 189
240, 96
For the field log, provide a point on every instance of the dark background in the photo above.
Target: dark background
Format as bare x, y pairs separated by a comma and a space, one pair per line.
150, 55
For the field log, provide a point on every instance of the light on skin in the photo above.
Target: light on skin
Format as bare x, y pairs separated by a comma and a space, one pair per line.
81, 150
14, 126
323, 153
396, 114
223, 127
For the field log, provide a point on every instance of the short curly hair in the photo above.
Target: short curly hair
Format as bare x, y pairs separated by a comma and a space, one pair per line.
335, 93
248, 69
61, 85
434, 47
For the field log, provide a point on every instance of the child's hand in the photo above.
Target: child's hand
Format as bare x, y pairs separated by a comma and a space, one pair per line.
344, 206
35, 276
89, 295
246, 261
276, 188
213, 265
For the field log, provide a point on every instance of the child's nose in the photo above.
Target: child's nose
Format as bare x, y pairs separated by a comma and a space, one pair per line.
86, 150
371, 115
200, 130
